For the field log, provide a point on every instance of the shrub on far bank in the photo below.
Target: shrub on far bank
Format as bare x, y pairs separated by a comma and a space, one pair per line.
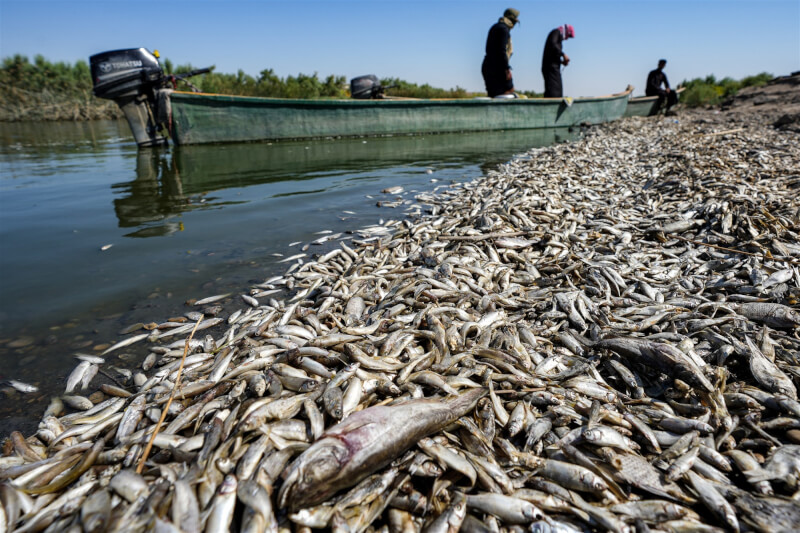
42, 90
710, 91
398, 87
267, 84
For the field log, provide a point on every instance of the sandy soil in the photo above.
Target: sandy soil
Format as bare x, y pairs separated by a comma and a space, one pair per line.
778, 103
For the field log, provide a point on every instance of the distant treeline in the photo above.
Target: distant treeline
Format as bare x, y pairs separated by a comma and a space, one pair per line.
42, 90
49, 91
269, 84
710, 91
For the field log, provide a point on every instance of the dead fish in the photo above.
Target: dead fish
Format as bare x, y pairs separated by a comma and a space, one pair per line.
661, 356
771, 314
126, 342
212, 299
21, 387
365, 442
768, 374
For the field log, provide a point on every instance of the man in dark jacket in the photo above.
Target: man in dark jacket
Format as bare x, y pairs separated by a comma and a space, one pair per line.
495, 69
654, 81
552, 59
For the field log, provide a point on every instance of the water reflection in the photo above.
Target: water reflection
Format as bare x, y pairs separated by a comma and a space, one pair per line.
36, 138
168, 183
153, 199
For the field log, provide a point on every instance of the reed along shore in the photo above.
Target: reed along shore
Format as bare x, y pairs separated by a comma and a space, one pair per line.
595, 336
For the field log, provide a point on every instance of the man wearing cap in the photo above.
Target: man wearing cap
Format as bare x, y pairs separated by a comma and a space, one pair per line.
654, 81
553, 58
495, 69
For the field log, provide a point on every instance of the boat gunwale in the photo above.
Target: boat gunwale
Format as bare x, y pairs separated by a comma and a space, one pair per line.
642, 99
184, 96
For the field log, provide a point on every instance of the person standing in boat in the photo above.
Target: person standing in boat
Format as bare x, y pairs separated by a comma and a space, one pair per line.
552, 59
495, 68
655, 80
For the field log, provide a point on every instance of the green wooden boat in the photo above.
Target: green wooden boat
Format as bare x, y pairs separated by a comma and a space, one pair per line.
207, 118
134, 79
644, 106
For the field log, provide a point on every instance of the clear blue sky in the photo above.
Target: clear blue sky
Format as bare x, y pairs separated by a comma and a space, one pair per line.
440, 42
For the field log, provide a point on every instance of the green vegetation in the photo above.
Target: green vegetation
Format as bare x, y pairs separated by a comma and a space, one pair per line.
41, 90
268, 84
405, 89
531, 94
49, 91
710, 91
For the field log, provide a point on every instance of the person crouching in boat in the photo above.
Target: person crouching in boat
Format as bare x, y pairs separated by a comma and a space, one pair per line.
552, 59
655, 79
495, 68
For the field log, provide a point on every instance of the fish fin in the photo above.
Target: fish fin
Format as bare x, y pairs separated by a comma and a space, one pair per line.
757, 475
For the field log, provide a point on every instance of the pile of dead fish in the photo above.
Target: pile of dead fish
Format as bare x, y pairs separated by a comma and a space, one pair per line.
597, 336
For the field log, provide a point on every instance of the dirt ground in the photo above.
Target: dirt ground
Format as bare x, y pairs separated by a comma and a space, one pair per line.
777, 103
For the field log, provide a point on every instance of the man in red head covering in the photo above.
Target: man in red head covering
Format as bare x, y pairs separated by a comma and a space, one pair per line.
553, 58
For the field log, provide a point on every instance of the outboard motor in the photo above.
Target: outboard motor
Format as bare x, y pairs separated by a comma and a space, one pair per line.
135, 81
133, 78
366, 87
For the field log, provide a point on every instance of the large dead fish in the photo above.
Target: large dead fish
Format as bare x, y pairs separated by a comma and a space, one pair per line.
658, 355
365, 442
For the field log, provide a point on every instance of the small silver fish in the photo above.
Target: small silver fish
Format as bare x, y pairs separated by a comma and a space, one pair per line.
22, 387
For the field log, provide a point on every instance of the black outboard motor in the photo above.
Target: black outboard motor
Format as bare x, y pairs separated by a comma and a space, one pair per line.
366, 87
133, 78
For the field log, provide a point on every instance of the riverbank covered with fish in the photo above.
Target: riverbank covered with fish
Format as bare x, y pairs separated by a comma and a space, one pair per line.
599, 335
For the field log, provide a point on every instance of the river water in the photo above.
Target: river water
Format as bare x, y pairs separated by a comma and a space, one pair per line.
97, 235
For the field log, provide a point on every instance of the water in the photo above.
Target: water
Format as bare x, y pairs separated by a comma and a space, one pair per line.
97, 235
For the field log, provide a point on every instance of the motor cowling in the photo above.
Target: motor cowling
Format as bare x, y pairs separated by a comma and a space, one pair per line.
366, 87
135, 81
123, 73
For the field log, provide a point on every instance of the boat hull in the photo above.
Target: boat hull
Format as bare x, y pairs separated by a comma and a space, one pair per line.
198, 118
644, 106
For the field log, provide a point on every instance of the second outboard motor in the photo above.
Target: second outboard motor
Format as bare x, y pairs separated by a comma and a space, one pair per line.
133, 78
366, 87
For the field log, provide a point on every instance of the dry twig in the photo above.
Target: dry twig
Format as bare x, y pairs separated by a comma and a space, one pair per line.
169, 402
